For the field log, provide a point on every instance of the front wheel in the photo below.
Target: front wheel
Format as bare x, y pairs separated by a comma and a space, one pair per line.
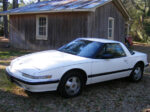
137, 73
71, 84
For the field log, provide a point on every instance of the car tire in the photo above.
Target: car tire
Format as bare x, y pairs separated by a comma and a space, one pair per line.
137, 73
71, 84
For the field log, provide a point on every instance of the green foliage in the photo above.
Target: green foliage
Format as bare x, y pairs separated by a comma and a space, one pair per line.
147, 26
22, 3
139, 11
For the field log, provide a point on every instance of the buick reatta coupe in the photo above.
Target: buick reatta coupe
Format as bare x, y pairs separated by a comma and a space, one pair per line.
82, 62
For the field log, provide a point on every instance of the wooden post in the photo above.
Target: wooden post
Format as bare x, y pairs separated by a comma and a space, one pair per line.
5, 6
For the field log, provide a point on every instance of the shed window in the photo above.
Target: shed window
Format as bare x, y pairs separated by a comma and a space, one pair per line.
111, 28
41, 27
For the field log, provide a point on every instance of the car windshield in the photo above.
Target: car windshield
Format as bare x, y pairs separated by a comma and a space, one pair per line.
81, 47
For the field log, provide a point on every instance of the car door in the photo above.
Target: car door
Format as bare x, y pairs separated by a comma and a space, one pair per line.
110, 63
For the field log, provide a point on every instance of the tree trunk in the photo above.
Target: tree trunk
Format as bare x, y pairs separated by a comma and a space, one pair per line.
15, 4
38, 0
5, 6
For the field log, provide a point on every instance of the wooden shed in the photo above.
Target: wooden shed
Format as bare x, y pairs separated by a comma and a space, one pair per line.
50, 24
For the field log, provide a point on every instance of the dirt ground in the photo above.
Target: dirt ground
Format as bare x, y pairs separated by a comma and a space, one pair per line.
113, 96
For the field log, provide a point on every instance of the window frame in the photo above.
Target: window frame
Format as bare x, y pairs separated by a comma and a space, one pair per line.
105, 47
113, 24
41, 37
127, 28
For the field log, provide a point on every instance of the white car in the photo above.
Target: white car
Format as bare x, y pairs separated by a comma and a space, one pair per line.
83, 61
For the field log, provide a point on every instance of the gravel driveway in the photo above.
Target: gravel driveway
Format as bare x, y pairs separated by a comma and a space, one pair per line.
113, 96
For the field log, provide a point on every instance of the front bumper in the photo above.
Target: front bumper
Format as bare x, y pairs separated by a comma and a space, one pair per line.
33, 86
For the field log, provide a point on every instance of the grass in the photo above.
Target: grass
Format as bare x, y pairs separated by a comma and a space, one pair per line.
6, 55
5, 84
11, 53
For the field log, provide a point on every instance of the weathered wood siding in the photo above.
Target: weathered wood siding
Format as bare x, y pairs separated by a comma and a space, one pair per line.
98, 22
62, 28
22, 31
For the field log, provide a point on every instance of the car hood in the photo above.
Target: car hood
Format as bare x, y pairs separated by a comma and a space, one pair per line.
46, 60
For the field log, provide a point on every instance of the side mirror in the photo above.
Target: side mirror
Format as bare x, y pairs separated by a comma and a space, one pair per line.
107, 56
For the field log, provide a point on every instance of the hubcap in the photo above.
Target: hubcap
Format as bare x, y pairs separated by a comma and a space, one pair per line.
137, 73
73, 85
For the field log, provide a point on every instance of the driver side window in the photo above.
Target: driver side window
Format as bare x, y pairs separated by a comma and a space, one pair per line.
111, 50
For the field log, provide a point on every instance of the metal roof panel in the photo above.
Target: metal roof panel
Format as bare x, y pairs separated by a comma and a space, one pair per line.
58, 6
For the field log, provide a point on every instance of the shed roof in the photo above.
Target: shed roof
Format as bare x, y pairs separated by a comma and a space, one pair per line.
59, 6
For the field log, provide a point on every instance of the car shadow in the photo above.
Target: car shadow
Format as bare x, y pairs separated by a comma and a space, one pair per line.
107, 85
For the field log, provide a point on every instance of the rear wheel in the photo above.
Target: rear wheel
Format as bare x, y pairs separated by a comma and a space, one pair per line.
71, 84
137, 73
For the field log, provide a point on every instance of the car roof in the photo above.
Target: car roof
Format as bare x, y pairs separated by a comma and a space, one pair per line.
100, 40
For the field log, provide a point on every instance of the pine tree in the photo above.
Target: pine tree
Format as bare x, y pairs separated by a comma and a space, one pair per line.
15, 4
5, 6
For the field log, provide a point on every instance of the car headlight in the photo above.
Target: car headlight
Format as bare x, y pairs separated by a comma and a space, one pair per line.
37, 77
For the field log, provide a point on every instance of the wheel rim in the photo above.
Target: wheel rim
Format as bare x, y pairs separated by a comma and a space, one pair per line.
73, 85
137, 73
